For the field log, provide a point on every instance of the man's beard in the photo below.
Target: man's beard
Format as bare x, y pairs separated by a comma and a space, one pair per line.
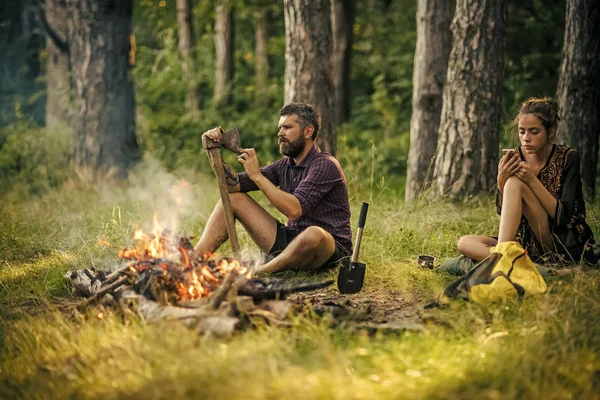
292, 149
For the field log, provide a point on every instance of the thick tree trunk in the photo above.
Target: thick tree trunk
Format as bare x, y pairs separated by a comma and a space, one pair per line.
261, 19
98, 32
429, 75
342, 22
224, 52
186, 46
58, 86
467, 157
579, 86
308, 66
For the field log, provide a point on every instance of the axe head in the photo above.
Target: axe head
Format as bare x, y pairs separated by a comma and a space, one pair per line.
230, 140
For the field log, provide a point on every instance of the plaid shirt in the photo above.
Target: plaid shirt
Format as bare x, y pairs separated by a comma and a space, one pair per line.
318, 182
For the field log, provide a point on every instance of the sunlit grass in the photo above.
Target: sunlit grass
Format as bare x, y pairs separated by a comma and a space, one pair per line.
543, 347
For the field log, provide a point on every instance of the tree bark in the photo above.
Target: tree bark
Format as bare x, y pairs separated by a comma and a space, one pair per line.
578, 91
98, 36
467, 155
186, 47
58, 85
224, 52
342, 22
429, 75
308, 66
261, 18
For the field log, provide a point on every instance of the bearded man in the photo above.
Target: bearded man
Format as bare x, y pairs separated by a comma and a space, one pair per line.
307, 186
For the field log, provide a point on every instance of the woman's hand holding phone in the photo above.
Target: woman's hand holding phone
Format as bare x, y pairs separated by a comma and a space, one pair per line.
509, 166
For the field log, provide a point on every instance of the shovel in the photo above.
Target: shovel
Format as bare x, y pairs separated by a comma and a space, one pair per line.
352, 274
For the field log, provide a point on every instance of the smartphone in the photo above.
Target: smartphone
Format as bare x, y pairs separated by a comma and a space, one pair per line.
507, 151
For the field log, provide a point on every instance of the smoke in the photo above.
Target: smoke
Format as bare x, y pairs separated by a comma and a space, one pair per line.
181, 200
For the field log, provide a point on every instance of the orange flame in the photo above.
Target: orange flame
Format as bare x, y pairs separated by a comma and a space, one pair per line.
202, 276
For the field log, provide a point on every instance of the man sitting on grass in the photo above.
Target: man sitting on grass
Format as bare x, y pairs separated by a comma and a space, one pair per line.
307, 186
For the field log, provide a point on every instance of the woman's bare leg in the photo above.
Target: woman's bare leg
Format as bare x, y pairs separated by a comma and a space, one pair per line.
476, 247
518, 199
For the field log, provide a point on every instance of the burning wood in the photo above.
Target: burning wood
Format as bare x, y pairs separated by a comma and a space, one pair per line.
165, 278
168, 269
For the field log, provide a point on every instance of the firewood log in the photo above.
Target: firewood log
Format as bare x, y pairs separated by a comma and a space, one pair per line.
106, 289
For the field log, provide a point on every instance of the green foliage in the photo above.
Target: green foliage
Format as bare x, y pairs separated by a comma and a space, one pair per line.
33, 160
532, 61
383, 51
22, 92
166, 130
382, 63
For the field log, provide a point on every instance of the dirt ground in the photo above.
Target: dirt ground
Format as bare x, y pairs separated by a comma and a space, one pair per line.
379, 310
382, 309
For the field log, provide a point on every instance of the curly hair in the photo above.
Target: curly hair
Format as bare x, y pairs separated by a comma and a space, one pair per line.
306, 113
545, 108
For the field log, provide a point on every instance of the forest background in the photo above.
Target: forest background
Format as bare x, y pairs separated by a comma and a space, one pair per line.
384, 36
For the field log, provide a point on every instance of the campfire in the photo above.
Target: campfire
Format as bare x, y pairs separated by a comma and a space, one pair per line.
168, 270
162, 277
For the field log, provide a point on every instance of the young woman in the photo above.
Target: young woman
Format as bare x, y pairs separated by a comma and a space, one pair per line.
539, 199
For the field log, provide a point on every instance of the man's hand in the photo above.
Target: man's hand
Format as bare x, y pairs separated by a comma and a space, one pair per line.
508, 166
249, 160
214, 134
525, 174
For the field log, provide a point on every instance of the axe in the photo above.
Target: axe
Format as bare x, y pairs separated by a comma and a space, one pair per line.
230, 140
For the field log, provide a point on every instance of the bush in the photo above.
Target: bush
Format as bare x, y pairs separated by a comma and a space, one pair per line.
33, 160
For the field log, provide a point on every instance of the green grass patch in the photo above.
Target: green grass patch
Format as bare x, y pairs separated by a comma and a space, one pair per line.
543, 347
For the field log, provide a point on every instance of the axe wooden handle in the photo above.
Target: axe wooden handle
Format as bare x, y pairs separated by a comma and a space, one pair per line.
216, 162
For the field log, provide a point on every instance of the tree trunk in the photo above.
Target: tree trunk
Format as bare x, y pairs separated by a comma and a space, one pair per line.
224, 52
58, 86
261, 19
98, 34
308, 66
579, 86
342, 22
186, 46
429, 75
467, 157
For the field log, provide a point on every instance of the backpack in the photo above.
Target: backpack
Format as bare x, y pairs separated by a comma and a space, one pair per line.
508, 273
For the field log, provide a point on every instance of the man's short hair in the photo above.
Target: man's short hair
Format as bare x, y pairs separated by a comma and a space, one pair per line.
306, 113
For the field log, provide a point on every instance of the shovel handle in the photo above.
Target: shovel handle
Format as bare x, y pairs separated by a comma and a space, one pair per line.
363, 215
361, 224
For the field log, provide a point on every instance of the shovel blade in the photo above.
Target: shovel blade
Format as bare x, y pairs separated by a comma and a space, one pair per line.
351, 277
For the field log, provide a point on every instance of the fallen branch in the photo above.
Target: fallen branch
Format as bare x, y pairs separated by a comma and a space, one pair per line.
106, 289
116, 274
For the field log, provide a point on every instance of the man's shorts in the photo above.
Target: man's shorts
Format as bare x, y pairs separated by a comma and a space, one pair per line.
285, 236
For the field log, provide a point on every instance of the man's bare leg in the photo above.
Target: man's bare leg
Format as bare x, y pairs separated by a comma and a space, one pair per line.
307, 252
476, 247
261, 226
518, 199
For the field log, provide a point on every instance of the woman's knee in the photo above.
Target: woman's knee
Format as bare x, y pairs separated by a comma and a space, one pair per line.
475, 246
465, 243
514, 183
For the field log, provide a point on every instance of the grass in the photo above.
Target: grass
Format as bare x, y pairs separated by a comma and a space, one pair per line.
543, 347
